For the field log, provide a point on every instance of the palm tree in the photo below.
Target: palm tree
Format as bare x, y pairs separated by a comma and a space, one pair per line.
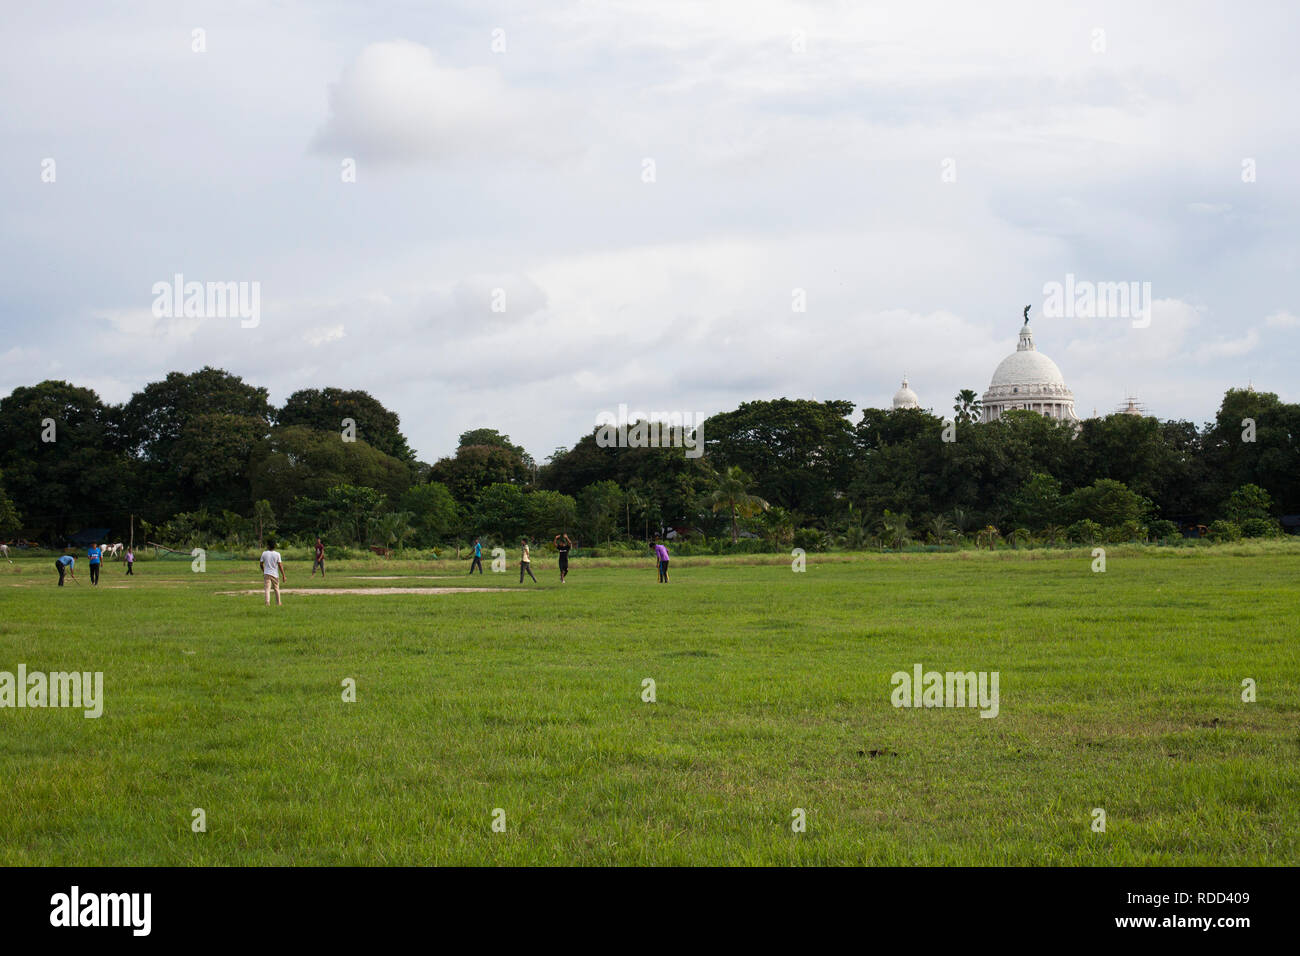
1052, 534
967, 407
940, 529
778, 525
894, 526
989, 536
393, 528
960, 520
730, 493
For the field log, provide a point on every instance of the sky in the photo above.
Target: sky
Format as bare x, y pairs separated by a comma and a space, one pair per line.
520, 215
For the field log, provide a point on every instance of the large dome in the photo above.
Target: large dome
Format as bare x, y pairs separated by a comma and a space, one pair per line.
1027, 380
1027, 368
905, 397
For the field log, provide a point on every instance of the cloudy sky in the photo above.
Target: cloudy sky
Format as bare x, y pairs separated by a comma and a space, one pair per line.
642, 187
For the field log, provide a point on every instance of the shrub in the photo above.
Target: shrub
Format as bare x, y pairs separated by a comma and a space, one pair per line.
810, 539
1222, 530
1130, 530
1163, 530
1086, 531
1260, 528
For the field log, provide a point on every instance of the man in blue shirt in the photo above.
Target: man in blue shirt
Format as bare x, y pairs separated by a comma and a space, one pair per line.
478, 558
62, 564
94, 554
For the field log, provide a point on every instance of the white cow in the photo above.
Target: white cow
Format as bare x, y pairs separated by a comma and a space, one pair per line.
112, 550
4, 549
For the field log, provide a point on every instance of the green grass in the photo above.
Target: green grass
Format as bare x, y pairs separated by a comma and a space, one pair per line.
1119, 690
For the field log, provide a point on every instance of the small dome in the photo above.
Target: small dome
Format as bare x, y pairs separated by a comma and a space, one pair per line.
905, 397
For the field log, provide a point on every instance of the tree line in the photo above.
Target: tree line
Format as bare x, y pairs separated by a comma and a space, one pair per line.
205, 458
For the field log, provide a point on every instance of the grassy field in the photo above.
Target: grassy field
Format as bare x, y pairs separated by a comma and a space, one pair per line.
1118, 690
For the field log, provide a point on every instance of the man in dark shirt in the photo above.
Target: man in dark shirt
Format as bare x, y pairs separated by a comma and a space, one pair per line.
320, 559
563, 547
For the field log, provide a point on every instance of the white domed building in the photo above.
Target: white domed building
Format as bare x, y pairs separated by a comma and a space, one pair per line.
905, 397
1028, 379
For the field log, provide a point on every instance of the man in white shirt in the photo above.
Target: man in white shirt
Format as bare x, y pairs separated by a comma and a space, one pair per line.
525, 564
272, 572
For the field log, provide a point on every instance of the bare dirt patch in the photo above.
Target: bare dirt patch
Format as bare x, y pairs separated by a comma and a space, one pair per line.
375, 590
401, 577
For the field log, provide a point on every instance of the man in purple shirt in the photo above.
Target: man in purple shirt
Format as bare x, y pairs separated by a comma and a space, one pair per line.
662, 554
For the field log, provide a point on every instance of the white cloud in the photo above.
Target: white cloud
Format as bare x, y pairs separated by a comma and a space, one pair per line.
777, 169
1227, 348
324, 335
397, 103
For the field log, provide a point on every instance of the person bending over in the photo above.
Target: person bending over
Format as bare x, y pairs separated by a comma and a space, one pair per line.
661, 553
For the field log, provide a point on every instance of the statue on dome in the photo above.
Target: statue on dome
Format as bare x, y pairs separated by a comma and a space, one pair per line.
1026, 315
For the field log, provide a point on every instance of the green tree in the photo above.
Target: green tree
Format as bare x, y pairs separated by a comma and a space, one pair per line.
730, 495
433, 510
798, 452
1038, 503
211, 457
1084, 531
300, 462
393, 528
600, 507
490, 437
325, 409
551, 513
80, 476
475, 467
263, 519
894, 530
1108, 502
346, 513
778, 526
165, 425
1255, 439
500, 509
1248, 501
940, 529
10, 523
968, 407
